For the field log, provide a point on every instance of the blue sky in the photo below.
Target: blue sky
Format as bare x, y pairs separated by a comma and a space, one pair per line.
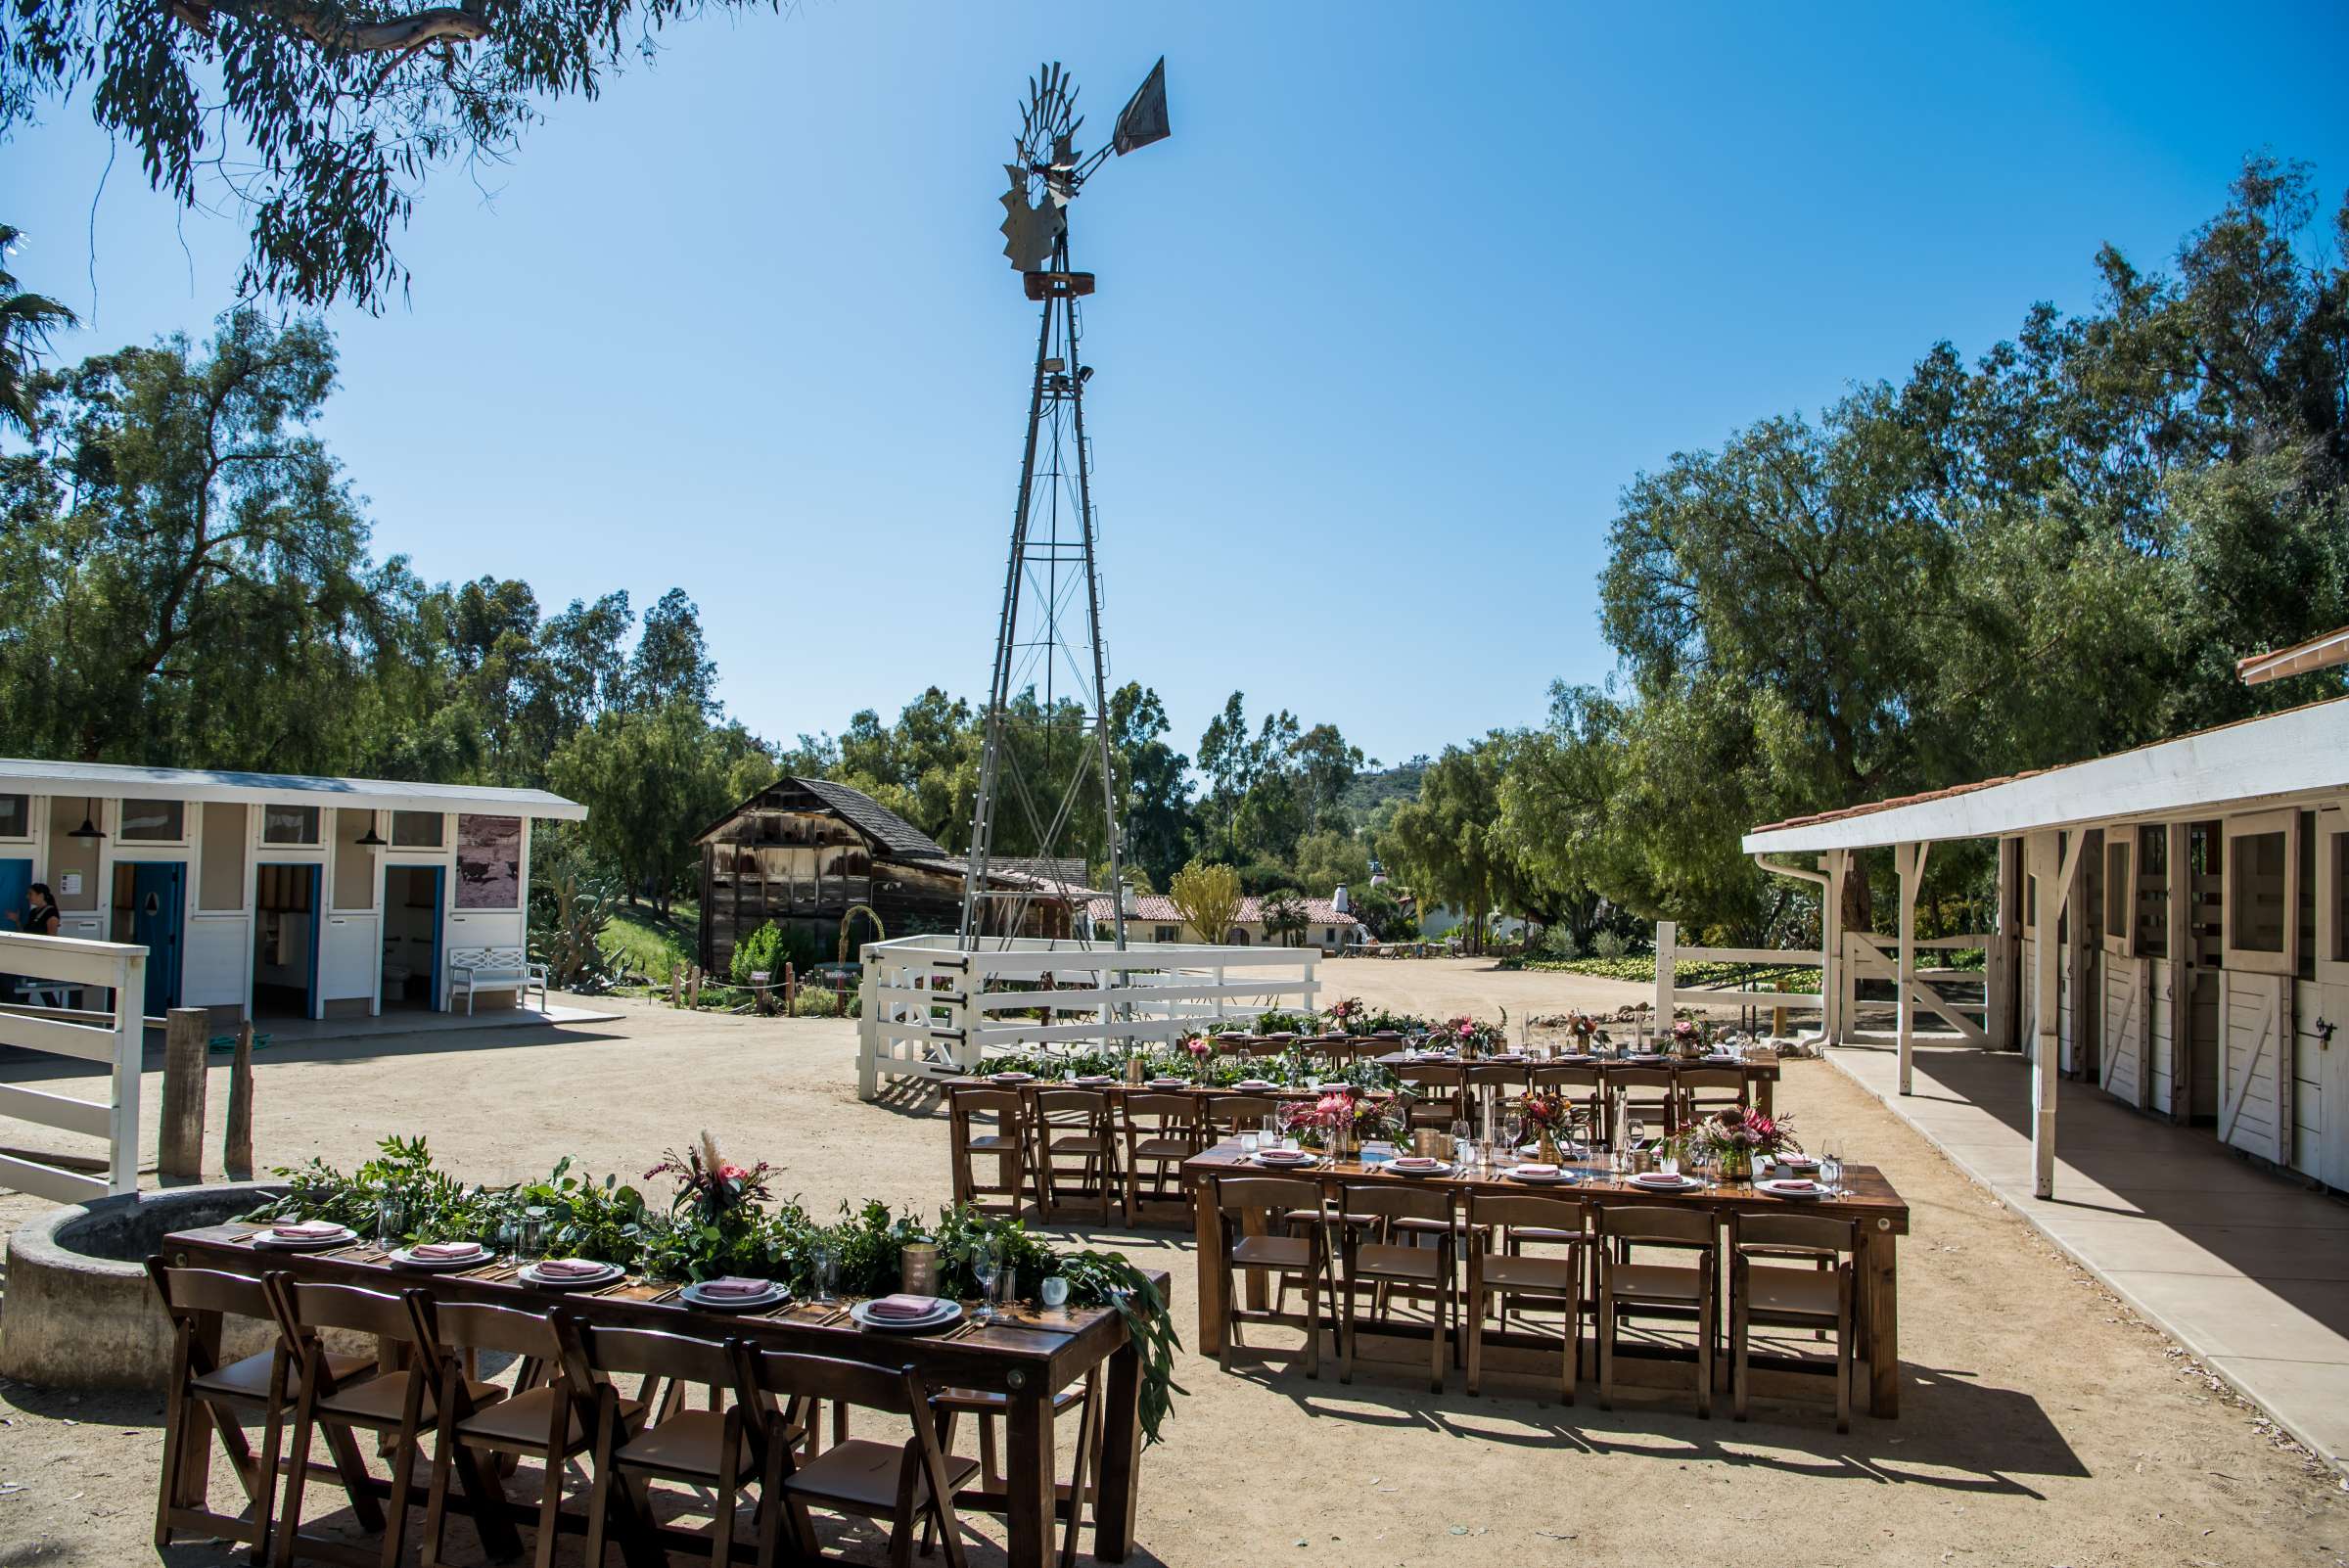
1381, 333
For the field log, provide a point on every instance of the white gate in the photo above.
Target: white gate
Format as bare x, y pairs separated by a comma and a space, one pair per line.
930, 1010
60, 965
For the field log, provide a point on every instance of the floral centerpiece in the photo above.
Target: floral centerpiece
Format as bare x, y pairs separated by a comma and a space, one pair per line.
1545, 1116
1584, 1029
1203, 1055
1736, 1136
1343, 1014
1341, 1123
709, 1186
1470, 1037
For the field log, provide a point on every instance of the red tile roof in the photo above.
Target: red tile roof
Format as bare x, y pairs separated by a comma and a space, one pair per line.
1155, 908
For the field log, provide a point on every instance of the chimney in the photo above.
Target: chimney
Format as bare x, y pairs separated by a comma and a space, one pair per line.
1339, 901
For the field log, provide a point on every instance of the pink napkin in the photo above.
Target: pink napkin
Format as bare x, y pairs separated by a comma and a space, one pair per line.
1416, 1161
1795, 1184
1252, 1083
1284, 1156
445, 1251
1538, 1170
1656, 1178
904, 1307
306, 1231
1800, 1162
1013, 1078
732, 1287
569, 1268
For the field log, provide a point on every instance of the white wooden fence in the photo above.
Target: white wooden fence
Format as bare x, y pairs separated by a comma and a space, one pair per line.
111, 1038
1669, 955
930, 1010
1868, 956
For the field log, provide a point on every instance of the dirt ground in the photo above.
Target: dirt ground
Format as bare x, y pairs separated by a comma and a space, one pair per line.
2041, 1423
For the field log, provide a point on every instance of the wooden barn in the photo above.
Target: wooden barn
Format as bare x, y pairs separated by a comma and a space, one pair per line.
807, 851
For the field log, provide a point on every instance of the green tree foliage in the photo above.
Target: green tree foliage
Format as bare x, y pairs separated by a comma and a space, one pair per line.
1446, 843
335, 112
651, 779
26, 321
1284, 916
1207, 896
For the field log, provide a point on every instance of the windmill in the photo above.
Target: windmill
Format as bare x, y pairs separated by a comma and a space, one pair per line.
1046, 737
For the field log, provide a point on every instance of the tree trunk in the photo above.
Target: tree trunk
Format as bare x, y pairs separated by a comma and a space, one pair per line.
1859, 901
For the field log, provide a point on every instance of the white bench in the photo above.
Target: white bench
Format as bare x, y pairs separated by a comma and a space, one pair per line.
473, 970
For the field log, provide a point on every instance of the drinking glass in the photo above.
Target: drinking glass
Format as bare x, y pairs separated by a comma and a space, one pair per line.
1463, 1140
985, 1263
1831, 1164
390, 1221
1635, 1132
1269, 1135
533, 1234
825, 1266
1251, 1140
506, 1239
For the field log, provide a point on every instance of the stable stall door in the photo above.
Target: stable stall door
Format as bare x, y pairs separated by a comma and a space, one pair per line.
149, 909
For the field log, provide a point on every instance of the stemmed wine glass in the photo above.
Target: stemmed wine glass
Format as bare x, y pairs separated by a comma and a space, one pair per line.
986, 1262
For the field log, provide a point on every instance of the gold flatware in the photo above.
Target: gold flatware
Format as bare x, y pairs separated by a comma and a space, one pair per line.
670, 1294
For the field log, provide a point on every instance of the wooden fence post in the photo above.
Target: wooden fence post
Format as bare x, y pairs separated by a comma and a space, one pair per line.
791, 988
179, 1149
235, 1157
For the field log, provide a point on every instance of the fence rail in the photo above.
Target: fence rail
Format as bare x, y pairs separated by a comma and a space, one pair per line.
113, 1038
931, 1010
1669, 955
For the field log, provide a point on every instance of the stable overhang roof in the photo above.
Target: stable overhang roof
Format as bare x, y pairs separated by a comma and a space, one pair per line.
2299, 752
117, 780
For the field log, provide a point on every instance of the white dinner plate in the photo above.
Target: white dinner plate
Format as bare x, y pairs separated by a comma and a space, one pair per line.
1686, 1183
1778, 1187
692, 1296
344, 1236
1273, 1160
1550, 1179
947, 1312
406, 1257
1438, 1169
531, 1276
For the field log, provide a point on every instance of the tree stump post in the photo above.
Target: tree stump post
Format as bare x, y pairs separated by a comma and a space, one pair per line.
790, 988
187, 1032
235, 1157
693, 987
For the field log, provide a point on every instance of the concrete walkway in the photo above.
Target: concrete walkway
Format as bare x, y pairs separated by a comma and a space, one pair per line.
418, 1021
2247, 1270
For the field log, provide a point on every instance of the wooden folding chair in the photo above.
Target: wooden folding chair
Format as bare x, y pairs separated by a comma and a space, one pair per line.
1499, 1227
1007, 1145
902, 1484
1650, 1096
1160, 1131
1402, 1266
1228, 1116
552, 1420
717, 1451
394, 1405
1508, 1081
1074, 1126
993, 1492
1436, 1088
1705, 1089
1623, 1285
1762, 1295
205, 1397
1578, 1086
1255, 1208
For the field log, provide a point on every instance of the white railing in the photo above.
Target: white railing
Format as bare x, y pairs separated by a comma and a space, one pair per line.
1669, 955
115, 1038
930, 1010
1869, 956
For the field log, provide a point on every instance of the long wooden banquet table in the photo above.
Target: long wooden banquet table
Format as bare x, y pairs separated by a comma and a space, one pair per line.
1761, 1072
1030, 1354
1882, 1215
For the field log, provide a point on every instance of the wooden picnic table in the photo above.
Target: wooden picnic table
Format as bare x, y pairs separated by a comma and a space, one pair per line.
1882, 1217
1030, 1354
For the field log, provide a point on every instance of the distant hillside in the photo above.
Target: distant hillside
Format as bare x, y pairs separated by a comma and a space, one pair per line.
1372, 795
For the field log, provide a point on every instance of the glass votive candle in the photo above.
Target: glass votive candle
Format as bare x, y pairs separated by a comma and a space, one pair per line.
917, 1268
1055, 1291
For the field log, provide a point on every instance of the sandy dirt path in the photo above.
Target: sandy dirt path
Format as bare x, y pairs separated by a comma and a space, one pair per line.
2040, 1424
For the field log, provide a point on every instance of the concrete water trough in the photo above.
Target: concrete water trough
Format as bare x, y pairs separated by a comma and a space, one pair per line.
80, 1312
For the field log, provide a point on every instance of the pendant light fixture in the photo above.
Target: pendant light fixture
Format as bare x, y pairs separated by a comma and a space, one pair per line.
371, 839
88, 829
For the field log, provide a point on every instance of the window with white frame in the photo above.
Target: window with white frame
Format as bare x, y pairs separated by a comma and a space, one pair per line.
290, 824
2258, 917
154, 821
15, 817
2120, 893
419, 830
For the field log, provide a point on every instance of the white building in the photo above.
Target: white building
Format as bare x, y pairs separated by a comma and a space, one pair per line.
262, 894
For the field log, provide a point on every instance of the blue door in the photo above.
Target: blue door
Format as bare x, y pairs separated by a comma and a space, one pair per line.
159, 899
16, 892
431, 995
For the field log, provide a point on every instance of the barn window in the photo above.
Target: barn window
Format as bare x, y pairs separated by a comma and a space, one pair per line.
2154, 892
154, 821
2120, 889
15, 817
288, 824
2259, 896
418, 830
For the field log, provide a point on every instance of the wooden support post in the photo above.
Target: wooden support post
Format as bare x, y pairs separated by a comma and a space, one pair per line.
236, 1154
791, 988
2182, 970
1834, 971
2001, 1020
1667, 939
693, 985
2054, 873
677, 983
1909, 861
180, 1150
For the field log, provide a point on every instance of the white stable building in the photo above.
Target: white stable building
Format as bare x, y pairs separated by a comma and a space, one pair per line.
267, 895
2173, 927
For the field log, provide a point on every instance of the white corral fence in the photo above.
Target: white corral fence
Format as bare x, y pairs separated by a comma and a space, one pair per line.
930, 1010
1669, 954
113, 1039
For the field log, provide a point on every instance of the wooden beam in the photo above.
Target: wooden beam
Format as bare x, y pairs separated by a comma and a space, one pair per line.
2183, 975
2051, 874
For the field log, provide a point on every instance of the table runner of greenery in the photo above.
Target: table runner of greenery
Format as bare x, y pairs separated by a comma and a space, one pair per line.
723, 1221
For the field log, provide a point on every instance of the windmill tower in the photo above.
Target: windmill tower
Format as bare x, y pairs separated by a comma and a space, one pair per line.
1048, 764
